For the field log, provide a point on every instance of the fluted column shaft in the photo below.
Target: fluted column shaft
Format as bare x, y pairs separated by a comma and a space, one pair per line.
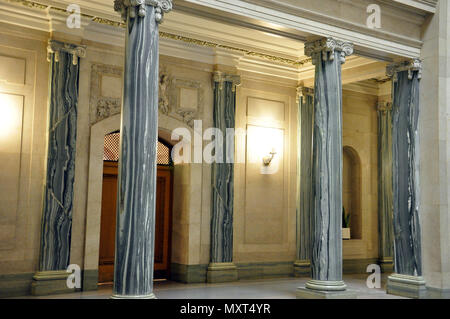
58, 201
326, 219
385, 200
304, 177
136, 202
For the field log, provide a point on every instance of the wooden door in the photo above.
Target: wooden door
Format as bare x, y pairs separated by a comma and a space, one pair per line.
163, 222
108, 223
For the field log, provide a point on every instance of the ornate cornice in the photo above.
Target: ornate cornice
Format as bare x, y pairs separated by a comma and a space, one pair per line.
414, 65
133, 8
166, 35
327, 46
55, 47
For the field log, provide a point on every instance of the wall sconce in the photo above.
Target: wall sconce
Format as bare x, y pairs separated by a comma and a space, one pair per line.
268, 159
265, 147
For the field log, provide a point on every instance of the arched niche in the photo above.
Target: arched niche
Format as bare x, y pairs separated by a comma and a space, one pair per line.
351, 190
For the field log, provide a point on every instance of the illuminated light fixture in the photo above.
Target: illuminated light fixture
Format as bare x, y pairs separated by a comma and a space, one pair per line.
10, 114
265, 148
268, 159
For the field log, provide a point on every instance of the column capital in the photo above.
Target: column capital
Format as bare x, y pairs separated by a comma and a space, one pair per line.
304, 91
55, 47
327, 46
409, 65
221, 77
384, 106
137, 7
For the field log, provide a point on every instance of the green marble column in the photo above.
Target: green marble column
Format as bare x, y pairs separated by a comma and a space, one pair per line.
304, 179
407, 279
221, 267
56, 226
328, 55
385, 203
136, 194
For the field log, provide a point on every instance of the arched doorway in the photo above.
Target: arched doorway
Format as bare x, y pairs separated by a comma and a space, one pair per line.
163, 218
351, 190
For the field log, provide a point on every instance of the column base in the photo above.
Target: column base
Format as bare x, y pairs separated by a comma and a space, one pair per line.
406, 286
51, 283
221, 272
386, 265
302, 268
150, 296
321, 289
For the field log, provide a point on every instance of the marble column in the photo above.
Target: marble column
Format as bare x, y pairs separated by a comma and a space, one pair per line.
221, 267
136, 198
56, 227
328, 55
385, 204
304, 178
407, 279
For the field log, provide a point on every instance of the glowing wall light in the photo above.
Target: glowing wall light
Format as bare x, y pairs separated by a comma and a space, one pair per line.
11, 107
265, 147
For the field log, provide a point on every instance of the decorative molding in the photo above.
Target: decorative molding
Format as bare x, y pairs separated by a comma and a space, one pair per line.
410, 66
245, 52
54, 47
327, 46
163, 102
133, 8
167, 35
186, 114
426, 5
102, 107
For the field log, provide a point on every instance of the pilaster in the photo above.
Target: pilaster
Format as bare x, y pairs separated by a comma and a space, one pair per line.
385, 200
221, 267
56, 227
305, 122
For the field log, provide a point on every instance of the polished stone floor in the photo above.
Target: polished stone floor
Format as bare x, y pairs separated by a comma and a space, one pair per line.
280, 288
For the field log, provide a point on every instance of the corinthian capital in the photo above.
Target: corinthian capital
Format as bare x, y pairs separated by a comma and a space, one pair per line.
133, 8
414, 65
327, 46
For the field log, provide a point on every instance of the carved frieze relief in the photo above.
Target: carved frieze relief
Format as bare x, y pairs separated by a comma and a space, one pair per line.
179, 98
102, 107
